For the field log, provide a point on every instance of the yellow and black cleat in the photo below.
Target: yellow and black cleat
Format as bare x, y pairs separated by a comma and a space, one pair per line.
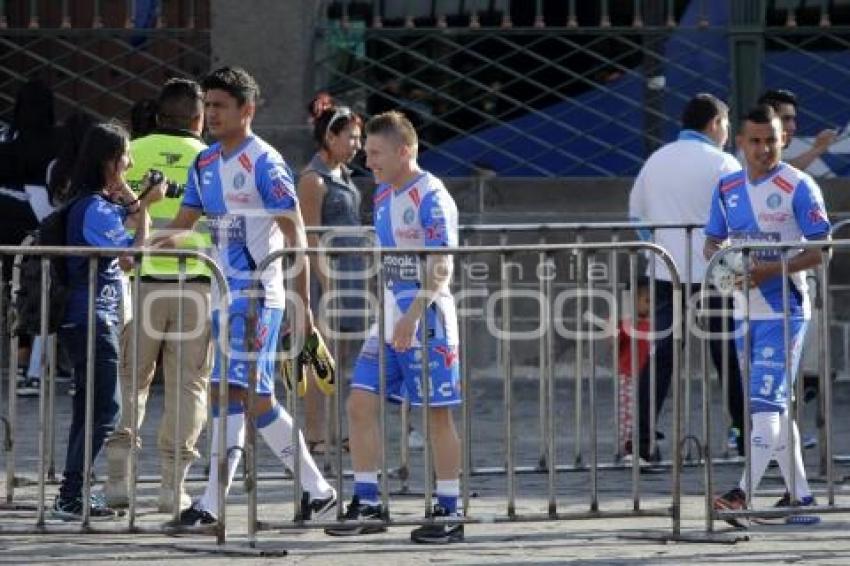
317, 356
288, 367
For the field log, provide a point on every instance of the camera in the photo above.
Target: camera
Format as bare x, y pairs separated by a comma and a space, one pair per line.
172, 189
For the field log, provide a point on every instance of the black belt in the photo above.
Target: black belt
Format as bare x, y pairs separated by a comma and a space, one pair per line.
173, 279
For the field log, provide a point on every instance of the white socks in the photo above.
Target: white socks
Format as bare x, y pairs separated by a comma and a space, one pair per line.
769, 441
801, 487
764, 439
235, 443
276, 428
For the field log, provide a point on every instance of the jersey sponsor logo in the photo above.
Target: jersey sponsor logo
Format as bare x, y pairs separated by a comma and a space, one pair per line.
731, 184
245, 161
204, 161
783, 184
414, 196
732, 201
437, 232
775, 217
774, 200
437, 212
409, 215
817, 215
448, 353
767, 352
401, 268
227, 229
280, 190
407, 233
238, 198
206, 178
239, 180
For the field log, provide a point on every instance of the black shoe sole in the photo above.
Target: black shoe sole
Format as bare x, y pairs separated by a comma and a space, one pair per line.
454, 537
354, 531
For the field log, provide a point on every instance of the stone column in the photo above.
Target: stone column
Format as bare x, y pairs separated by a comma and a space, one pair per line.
272, 40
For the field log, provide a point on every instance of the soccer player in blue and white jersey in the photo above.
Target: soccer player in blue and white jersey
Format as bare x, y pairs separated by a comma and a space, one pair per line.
245, 189
770, 201
412, 210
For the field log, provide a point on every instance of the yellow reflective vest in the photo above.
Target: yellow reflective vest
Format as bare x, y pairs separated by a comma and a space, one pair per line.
173, 152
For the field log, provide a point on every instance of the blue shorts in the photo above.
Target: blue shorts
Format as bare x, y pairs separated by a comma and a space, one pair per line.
404, 372
768, 378
264, 351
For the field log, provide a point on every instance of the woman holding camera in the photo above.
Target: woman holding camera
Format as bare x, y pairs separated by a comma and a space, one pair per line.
104, 208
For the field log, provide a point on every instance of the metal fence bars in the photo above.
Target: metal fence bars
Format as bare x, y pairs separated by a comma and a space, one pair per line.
543, 233
794, 394
550, 323
46, 420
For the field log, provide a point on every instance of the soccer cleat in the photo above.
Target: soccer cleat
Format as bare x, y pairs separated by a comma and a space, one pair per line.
357, 511
794, 519
438, 533
71, 508
733, 500
317, 509
194, 516
318, 356
288, 367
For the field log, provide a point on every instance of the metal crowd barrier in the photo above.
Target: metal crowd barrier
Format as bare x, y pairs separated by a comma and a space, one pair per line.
794, 391
505, 234
546, 253
45, 419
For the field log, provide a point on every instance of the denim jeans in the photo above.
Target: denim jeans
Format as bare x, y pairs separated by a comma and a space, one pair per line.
106, 400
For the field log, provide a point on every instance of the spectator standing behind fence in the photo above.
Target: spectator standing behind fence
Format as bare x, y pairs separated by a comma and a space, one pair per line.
31, 144
42, 203
675, 185
171, 149
413, 209
784, 103
103, 209
245, 189
770, 201
329, 198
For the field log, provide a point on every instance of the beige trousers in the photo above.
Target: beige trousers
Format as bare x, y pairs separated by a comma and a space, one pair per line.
158, 329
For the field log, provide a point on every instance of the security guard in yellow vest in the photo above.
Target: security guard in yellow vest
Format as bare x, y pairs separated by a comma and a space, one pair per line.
171, 149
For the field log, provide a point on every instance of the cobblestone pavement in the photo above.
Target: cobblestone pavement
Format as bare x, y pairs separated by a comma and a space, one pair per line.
595, 541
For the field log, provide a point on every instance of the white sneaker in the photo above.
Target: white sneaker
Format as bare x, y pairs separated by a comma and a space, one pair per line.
415, 440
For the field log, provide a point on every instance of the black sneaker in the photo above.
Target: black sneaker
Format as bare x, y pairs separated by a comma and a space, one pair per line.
357, 511
194, 516
733, 500
29, 387
438, 533
71, 508
317, 509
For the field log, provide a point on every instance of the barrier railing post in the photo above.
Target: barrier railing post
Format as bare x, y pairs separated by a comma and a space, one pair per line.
466, 389
51, 407
633, 347
177, 472
424, 331
578, 414
591, 354
686, 374
747, 376
549, 334
789, 369
43, 419
653, 359
382, 391
134, 396
543, 406
507, 375
89, 390
826, 376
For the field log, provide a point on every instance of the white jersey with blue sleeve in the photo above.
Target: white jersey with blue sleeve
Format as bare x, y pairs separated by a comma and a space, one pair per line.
422, 213
241, 194
786, 205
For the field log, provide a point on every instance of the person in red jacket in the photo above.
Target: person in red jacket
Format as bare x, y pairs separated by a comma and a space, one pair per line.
624, 354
